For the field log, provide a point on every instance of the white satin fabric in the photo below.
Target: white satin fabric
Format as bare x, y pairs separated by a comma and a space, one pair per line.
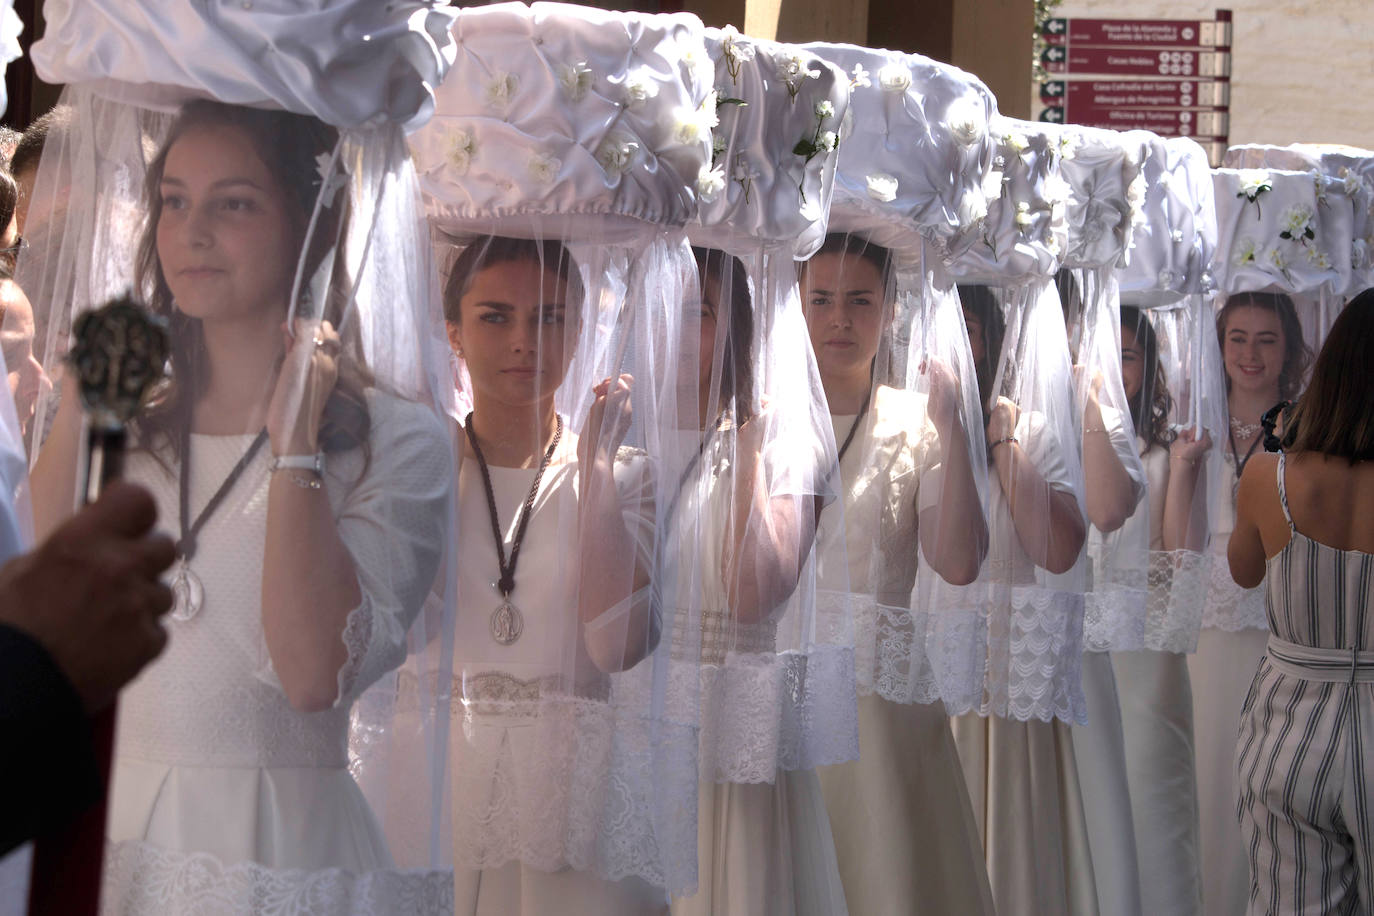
915, 152
1104, 170
353, 63
569, 111
1352, 167
1025, 233
1298, 236
774, 155
1173, 244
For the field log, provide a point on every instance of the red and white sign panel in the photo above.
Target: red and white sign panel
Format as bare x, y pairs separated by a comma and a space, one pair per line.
1136, 62
1173, 33
1079, 94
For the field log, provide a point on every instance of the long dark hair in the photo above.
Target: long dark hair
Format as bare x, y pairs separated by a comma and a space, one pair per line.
980, 301
1150, 406
1297, 355
727, 275
288, 145
1335, 415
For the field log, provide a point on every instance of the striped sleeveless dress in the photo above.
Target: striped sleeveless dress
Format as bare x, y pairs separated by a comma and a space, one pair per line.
1306, 751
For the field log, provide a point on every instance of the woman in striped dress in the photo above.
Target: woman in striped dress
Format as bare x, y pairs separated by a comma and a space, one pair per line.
1304, 526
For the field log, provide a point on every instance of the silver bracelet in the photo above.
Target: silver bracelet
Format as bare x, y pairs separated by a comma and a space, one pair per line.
313, 463
306, 483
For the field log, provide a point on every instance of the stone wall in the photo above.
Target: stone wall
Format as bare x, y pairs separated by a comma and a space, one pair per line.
1301, 70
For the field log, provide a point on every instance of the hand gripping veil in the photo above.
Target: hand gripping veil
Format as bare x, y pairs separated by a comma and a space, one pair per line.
245, 174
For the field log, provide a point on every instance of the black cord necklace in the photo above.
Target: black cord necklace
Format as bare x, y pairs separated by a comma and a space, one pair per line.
844, 447
507, 623
188, 594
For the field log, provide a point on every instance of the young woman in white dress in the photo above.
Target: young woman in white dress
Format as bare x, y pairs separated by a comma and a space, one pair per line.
1022, 773
745, 504
310, 508
901, 815
1265, 358
1154, 689
553, 591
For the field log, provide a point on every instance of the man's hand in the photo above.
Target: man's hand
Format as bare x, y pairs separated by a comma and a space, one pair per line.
90, 594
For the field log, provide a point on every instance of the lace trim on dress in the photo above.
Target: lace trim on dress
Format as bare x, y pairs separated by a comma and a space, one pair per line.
910, 656
142, 878
1035, 658
1228, 606
1177, 593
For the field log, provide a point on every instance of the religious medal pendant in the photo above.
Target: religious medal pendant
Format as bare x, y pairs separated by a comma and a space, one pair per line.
507, 623
187, 593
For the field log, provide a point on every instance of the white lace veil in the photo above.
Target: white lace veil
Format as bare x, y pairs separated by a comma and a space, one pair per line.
290, 681
773, 655
910, 185
1033, 581
1166, 292
1106, 193
559, 172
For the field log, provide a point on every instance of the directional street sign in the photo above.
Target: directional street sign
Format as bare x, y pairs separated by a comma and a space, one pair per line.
1077, 95
1171, 33
1136, 62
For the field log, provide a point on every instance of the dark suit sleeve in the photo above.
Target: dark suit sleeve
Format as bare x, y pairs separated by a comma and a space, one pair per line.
48, 769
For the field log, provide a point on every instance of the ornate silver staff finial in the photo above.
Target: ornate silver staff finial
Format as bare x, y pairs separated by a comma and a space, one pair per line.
119, 356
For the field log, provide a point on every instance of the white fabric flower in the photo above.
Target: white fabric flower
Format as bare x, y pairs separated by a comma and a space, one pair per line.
973, 208
1016, 140
462, 146
1164, 180
693, 125
894, 77
500, 89
1297, 223
1023, 214
967, 121
827, 140
1351, 182
1277, 259
858, 78
882, 187
717, 146
697, 61
992, 184
617, 153
744, 170
736, 51
638, 88
1135, 199
1056, 192
543, 168
1247, 251
791, 68
710, 182
825, 109
575, 79
1318, 258
1253, 182
1359, 255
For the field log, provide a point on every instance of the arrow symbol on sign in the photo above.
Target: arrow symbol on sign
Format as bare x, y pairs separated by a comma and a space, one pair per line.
1055, 55
1052, 115
1054, 88
1056, 26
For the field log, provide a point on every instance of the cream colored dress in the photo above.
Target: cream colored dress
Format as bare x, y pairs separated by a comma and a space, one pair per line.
1157, 718
764, 842
1023, 775
517, 770
903, 824
1234, 635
